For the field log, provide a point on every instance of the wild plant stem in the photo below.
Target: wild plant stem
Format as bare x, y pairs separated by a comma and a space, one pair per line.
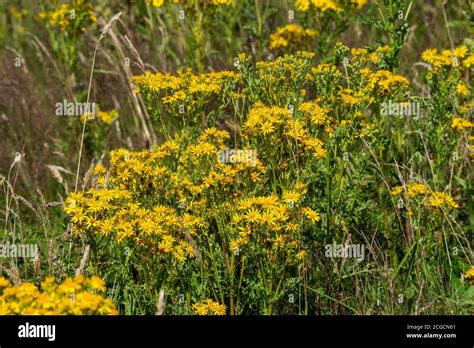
86, 116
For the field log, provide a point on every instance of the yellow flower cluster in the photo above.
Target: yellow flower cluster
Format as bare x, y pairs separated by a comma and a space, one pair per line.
288, 63
68, 14
272, 118
456, 58
160, 230
273, 214
106, 117
469, 276
358, 3
362, 55
159, 3
153, 199
469, 61
265, 120
271, 219
413, 189
352, 97
314, 113
156, 3
324, 69
435, 199
318, 5
441, 199
383, 82
462, 89
276, 122
160, 200
186, 82
460, 124
186, 88
292, 37
74, 296
18, 14
82, 207
370, 84
327, 5
209, 307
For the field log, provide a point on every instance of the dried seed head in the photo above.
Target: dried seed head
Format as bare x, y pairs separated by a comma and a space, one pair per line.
109, 25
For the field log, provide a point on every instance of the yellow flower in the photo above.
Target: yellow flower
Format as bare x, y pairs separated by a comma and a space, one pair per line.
97, 284
460, 123
359, 51
291, 197
107, 117
374, 57
165, 246
209, 307
413, 189
311, 214
416, 189
200, 309
384, 49
301, 255
396, 191
234, 245
62, 19
70, 297
326, 69
469, 61
95, 206
291, 35
280, 240
155, 3
429, 55
179, 253
268, 218
326, 5
462, 89
469, 276
316, 146
99, 169
460, 51
4, 283
253, 215
303, 5
359, 3
216, 308
291, 227
441, 199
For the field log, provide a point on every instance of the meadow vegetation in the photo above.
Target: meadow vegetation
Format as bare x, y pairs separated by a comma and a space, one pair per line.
232, 143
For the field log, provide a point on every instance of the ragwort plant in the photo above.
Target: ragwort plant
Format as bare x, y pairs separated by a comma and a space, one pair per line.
259, 169
254, 239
